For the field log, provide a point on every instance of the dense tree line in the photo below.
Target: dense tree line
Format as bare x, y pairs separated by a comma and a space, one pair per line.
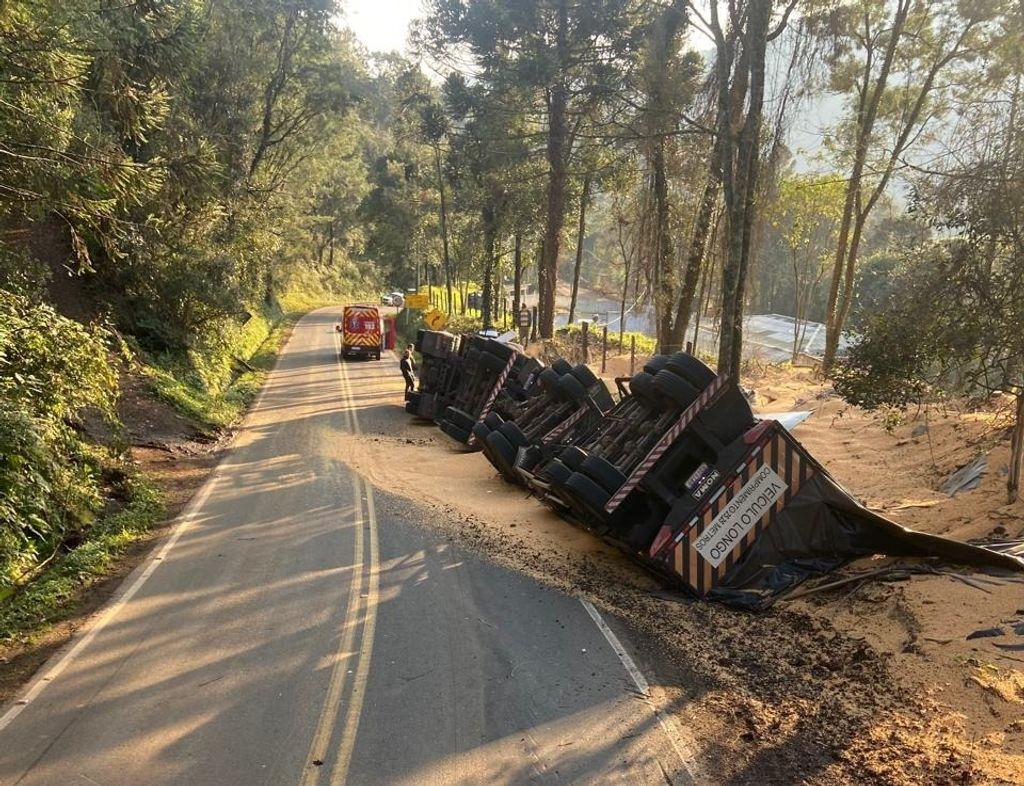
169, 169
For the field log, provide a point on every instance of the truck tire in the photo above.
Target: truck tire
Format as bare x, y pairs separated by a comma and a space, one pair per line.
556, 473
503, 453
656, 364
573, 457
453, 431
548, 379
561, 366
571, 389
481, 432
674, 388
691, 369
606, 474
642, 386
589, 493
513, 434
493, 420
529, 458
459, 418
585, 376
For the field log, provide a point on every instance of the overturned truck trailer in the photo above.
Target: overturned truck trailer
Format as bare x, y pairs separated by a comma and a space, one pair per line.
680, 475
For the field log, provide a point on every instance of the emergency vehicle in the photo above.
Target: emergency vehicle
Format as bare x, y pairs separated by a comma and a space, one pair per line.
361, 331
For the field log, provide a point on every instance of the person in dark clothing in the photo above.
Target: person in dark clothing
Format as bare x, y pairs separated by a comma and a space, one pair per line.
408, 366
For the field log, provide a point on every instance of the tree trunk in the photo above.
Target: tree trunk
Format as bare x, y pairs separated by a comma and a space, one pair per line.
625, 290
487, 295
517, 275
446, 259
555, 216
1016, 452
665, 291
557, 156
702, 304
497, 285
579, 248
695, 257
740, 159
867, 112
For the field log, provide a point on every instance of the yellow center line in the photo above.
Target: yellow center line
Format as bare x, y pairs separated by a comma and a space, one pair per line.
329, 712
355, 704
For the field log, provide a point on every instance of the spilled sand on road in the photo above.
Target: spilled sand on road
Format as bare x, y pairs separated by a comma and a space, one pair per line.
875, 686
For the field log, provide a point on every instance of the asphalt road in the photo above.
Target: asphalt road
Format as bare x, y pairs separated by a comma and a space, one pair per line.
298, 627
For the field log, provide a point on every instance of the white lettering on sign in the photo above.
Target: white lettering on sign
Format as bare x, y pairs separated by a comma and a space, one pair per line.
739, 516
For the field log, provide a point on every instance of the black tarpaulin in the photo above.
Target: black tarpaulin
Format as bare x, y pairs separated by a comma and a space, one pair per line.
823, 527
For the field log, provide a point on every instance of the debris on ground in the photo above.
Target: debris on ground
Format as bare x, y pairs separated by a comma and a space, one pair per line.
967, 478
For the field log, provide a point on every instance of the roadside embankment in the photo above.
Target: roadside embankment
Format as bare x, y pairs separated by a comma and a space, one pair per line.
136, 455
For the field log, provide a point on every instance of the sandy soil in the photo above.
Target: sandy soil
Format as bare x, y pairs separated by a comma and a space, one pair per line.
871, 683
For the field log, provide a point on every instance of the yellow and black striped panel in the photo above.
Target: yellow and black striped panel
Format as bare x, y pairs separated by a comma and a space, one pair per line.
360, 339
786, 459
360, 327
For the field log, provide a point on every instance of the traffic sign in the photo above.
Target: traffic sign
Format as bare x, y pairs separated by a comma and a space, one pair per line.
435, 319
417, 301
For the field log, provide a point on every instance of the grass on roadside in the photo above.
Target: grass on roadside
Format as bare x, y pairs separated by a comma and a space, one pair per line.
51, 596
645, 345
249, 360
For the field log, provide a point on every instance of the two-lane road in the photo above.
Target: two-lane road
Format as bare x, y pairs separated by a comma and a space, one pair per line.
297, 627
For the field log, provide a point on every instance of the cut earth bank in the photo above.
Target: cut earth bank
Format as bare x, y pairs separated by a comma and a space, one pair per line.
870, 683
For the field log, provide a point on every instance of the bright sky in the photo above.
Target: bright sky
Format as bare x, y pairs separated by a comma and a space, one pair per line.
381, 25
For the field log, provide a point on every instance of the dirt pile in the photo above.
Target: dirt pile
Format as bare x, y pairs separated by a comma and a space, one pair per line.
871, 683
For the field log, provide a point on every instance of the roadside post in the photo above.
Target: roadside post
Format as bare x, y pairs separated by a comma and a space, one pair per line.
533, 327
632, 354
586, 341
604, 348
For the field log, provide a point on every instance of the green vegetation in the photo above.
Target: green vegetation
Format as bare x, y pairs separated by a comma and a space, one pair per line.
215, 390
53, 373
645, 345
50, 595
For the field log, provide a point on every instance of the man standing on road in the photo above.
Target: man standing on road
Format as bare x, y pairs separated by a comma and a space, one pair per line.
408, 366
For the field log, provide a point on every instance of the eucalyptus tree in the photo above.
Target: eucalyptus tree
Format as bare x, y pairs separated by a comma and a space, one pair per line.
741, 40
903, 66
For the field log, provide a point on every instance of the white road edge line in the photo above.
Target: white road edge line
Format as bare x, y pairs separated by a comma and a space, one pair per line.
668, 725
65, 656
